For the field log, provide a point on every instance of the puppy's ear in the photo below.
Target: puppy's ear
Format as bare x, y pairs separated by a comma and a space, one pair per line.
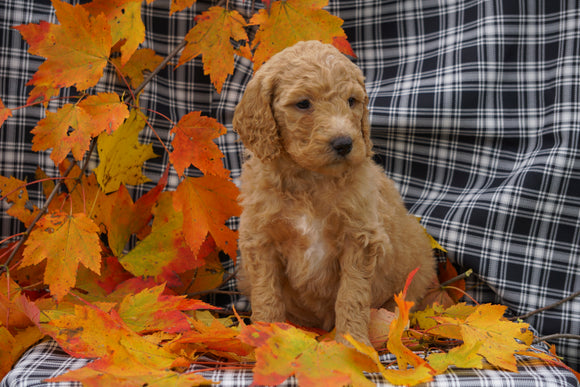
254, 120
366, 127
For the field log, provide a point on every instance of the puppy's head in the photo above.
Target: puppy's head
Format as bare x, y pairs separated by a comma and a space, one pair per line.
307, 103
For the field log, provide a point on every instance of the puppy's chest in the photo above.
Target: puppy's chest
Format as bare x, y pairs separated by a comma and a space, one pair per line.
309, 251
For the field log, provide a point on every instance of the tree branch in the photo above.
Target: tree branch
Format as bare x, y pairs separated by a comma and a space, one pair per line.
49, 200
547, 307
161, 65
42, 211
556, 336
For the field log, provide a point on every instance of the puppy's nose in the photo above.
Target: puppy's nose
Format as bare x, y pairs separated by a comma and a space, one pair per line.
342, 145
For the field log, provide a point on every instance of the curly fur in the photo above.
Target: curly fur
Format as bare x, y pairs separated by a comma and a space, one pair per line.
324, 234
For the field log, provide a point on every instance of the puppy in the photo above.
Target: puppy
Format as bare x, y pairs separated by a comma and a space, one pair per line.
324, 234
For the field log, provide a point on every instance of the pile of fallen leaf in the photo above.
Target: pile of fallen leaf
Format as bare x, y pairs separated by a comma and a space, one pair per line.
142, 334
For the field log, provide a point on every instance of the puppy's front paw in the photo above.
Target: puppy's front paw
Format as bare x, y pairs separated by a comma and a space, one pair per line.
273, 313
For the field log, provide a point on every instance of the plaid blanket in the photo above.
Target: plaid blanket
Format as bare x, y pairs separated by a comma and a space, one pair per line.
48, 360
475, 113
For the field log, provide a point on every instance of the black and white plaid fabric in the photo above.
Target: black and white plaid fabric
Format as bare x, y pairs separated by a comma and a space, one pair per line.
48, 360
475, 112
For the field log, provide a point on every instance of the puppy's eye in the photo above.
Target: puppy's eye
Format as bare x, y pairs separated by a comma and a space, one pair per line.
351, 101
304, 104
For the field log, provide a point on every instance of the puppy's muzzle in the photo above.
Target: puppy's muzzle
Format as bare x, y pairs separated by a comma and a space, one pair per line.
342, 145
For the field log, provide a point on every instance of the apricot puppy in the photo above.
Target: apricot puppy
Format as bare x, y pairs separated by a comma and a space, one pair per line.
324, 234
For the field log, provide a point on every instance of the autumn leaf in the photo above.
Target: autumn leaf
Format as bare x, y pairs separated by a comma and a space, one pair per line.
5, 113
83, 195
151, 310
10, 314
144, 59
76, 50
193, 145
90, 117
211, 37
206, 204
124, 17
127, 218
12, 346
64, 241
211, 335
463, 357
283, 350
123, 357
289, 22
406, 377
207, 277
14, 190
421, 371
180, 5
122, 156
98, 287
497, 337
164, 253
98, 375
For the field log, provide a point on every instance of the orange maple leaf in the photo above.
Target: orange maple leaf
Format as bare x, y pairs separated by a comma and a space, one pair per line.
14, 190
211, 37
283, 350
216, 336
83, 195
127, 218
13, 345
76, 51
10, 314
288, 22
64, 241
124, 17
193, 145
207, 203
180, 5
90, 117
5, 113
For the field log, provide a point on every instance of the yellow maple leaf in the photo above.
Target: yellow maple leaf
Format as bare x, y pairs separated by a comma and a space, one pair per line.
291, 21
497, 339
211, 38
121, 156
64, 241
